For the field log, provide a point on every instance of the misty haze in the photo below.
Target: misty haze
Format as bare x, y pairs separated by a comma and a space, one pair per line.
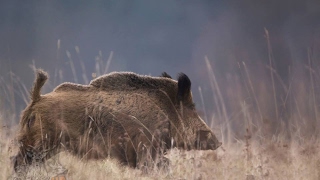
254, 68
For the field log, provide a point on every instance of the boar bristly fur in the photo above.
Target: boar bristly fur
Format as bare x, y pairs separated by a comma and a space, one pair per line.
122, 115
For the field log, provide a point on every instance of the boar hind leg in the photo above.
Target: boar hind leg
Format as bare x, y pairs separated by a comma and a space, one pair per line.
124, 151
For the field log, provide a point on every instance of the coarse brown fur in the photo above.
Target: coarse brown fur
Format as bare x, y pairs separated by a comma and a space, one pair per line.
121, 115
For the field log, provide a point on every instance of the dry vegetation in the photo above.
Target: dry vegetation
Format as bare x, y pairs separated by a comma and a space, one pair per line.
268, 126
242, 160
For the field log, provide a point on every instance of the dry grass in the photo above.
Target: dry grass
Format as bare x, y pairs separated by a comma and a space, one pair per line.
271, 160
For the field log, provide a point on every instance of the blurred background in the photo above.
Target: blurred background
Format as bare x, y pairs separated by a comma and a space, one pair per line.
273, 75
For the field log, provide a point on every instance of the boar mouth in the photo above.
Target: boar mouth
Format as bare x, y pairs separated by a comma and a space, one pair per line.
26, 157
215, 146
19, 162
207, 146
206, 140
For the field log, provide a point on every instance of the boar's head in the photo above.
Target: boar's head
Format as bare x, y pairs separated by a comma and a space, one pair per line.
196, 132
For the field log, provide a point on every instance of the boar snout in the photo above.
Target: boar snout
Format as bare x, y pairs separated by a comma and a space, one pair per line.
206, 140
19, 162
24, 158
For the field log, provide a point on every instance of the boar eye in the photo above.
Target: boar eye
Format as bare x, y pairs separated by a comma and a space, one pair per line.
203, 134
29, 154
31, 120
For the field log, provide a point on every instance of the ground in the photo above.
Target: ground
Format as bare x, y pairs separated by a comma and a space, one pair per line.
249, 159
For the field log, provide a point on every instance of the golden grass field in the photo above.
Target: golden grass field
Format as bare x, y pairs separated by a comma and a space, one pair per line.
272, 159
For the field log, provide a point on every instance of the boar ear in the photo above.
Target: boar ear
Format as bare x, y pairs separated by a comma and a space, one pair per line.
41, 78
166, 75
184, 87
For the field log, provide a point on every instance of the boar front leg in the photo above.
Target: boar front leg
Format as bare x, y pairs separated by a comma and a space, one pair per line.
151, 148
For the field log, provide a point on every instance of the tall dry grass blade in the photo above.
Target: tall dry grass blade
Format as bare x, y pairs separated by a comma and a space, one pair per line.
270, 57
224, 111
285, 88
97, 74
33, 66
98, 128
23, 92
100, 62
253, 91
60, 75
215, 99
56, 70
6, 89
11, 94
84, 73
73, 69
108, 63
202, 103
248, 122
312, 88
287, 95
58, 44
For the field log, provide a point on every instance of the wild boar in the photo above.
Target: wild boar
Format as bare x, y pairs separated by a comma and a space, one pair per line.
132, 118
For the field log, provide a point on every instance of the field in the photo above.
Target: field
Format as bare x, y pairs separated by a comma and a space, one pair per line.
250, 159
268, 125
